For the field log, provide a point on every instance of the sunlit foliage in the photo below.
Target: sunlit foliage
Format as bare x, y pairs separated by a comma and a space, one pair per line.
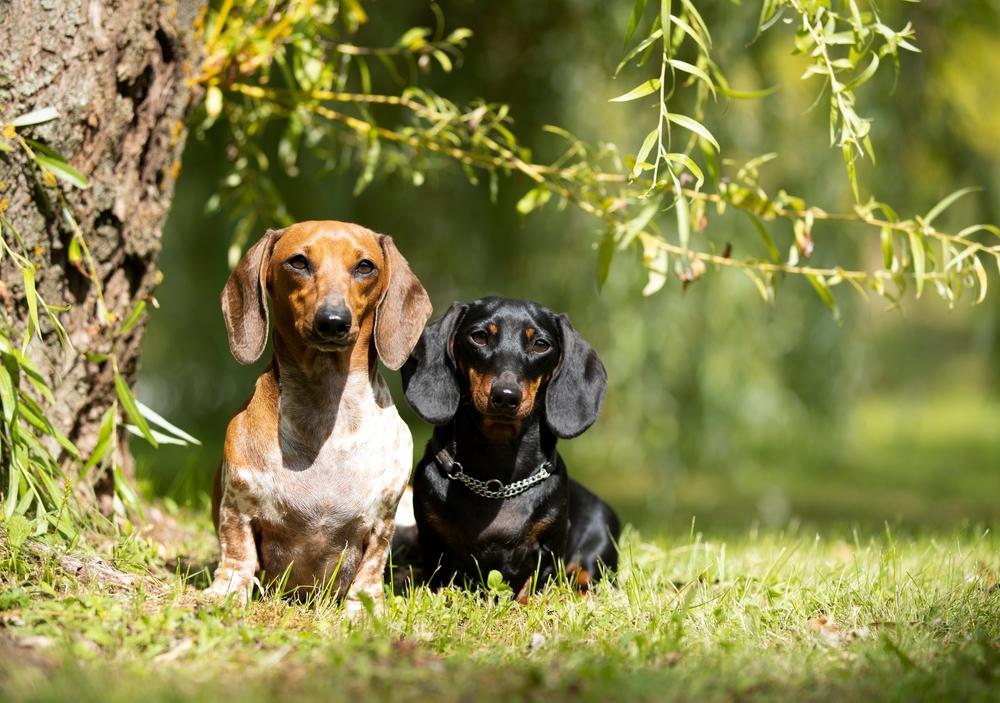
298, 68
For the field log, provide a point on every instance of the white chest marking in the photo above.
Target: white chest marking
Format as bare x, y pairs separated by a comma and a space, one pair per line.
336, 467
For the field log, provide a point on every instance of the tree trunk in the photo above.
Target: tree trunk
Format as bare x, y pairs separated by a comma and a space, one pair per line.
117, 73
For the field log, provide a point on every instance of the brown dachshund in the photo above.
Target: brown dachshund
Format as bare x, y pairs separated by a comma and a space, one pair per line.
316, 461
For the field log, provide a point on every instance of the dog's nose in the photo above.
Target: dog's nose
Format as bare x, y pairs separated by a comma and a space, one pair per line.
505, 397
333, 322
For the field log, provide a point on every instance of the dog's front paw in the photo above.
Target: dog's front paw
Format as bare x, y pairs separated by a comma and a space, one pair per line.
230, 585
361, 603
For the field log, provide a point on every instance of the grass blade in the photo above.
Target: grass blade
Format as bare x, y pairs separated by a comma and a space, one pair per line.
131, 409
62, 170
161, 422
31, 296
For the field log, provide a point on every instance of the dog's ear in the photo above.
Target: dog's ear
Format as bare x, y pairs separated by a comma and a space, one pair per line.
402, 311
244, 300
429, 374
574, 395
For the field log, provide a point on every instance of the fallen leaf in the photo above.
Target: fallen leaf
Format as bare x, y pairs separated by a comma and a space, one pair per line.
537, 641
175, 652
843, 552
831, 634
671, 658
36, 642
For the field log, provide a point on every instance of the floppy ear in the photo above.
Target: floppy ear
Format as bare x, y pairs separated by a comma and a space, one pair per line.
429, 374
402, 311
244, 302
574, 395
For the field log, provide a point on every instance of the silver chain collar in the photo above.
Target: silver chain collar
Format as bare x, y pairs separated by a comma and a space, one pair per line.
494, 489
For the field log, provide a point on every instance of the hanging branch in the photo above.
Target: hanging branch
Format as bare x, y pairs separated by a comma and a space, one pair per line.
846, 46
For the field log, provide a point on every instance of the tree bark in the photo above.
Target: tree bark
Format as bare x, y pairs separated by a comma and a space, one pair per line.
118, 74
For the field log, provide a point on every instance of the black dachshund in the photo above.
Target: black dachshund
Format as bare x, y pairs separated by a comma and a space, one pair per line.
503, 380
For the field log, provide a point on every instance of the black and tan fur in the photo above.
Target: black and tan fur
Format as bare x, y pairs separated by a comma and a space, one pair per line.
503, 380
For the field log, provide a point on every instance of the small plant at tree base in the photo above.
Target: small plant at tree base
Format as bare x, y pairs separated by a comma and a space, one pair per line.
39, 494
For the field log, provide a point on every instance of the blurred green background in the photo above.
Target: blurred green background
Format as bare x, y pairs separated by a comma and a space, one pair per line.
719, 406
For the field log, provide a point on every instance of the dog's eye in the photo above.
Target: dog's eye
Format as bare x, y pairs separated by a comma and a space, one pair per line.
479, 338
298, 262
540, 346
364, 268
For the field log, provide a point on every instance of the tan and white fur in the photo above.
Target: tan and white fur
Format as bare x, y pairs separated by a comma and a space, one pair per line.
315, 463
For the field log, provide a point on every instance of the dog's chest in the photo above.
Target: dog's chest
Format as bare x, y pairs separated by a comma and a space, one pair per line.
329, 475
351, 478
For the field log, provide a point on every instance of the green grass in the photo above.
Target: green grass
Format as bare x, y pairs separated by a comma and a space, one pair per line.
775, 615
819, 602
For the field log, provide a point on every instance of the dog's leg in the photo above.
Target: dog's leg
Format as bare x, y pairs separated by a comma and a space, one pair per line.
238, 562
593, 539
368, 579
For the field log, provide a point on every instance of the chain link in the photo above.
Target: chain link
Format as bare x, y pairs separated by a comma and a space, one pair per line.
494, 488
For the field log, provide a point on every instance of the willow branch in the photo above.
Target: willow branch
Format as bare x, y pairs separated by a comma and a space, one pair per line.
541, 173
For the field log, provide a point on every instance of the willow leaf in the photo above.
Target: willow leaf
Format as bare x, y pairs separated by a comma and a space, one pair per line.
605, 253
633, 21
687, 29
693, 70
980, 270
695, 126
765, 236
647, 146
640, 47
948, 201
824, 292
688, 163
919, 260
864, 75
641, 90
